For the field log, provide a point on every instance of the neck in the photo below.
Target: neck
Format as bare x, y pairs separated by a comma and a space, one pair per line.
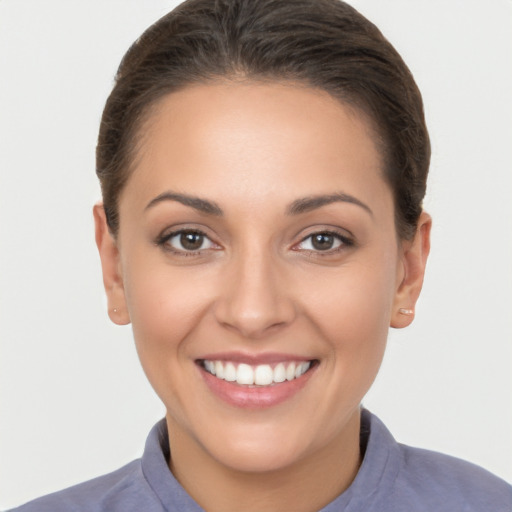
307, 485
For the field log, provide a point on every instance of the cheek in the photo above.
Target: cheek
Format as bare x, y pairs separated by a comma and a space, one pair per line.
165, 304
352, 310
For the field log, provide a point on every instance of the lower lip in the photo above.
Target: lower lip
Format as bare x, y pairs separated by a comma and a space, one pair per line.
255, 397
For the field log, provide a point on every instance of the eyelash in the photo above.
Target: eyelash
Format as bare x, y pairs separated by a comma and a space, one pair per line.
345, 243
163, 241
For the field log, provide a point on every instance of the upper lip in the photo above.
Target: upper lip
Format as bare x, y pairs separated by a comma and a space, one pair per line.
254, 359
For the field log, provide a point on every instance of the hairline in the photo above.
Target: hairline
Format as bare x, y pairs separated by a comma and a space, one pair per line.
138, 133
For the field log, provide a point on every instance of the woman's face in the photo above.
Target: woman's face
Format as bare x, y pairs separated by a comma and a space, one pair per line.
257, 241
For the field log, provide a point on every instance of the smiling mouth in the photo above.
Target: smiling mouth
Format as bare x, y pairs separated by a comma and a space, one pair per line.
256, 375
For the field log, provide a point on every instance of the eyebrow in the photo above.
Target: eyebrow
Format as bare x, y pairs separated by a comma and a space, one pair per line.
201, 205
307, 204
303, 205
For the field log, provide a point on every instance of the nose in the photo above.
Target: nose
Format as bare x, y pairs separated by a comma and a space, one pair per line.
255, 298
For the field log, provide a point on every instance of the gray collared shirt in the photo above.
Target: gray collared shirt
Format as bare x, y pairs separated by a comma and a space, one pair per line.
392, 478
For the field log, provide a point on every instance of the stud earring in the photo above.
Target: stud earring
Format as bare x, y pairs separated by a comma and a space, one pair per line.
404, 311
115, 310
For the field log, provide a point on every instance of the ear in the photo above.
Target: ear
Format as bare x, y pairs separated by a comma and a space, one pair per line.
413, 261
111, 268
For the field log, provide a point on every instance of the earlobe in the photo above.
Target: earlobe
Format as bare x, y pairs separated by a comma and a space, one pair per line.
414, 261
111, 268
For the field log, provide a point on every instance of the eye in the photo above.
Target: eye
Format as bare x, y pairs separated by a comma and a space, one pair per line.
324, 241
188, 240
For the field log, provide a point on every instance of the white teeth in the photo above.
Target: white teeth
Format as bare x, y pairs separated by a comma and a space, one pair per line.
230, 372
290, 371
301, 369
219, 369
305, 367
260, 375
244, 374
263, 376
210, 366
279, 373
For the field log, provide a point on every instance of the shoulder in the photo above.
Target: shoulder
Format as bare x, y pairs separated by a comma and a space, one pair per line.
447, 482
125, 490
395, 477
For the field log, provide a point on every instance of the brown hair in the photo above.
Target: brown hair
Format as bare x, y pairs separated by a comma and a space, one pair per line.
324, 44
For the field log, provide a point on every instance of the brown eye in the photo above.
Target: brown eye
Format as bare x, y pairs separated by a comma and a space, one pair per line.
322, 241
187, 241
191, 241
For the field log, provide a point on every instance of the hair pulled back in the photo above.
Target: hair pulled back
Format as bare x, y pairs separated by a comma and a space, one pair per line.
324, 44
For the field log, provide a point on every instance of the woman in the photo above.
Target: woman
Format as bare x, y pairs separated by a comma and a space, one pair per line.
263, 166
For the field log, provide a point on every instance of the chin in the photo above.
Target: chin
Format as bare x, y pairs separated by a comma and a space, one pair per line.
251, 456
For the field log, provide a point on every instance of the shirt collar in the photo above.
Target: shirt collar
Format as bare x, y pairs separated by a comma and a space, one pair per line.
375, 477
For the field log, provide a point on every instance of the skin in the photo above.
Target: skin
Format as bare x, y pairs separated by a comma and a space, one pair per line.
260, 286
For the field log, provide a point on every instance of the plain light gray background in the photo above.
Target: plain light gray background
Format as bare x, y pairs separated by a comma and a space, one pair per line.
74, 402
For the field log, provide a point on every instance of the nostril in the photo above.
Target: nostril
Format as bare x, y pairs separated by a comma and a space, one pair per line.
254, 315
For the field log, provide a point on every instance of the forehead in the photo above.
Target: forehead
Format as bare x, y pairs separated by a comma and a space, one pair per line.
262, 140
